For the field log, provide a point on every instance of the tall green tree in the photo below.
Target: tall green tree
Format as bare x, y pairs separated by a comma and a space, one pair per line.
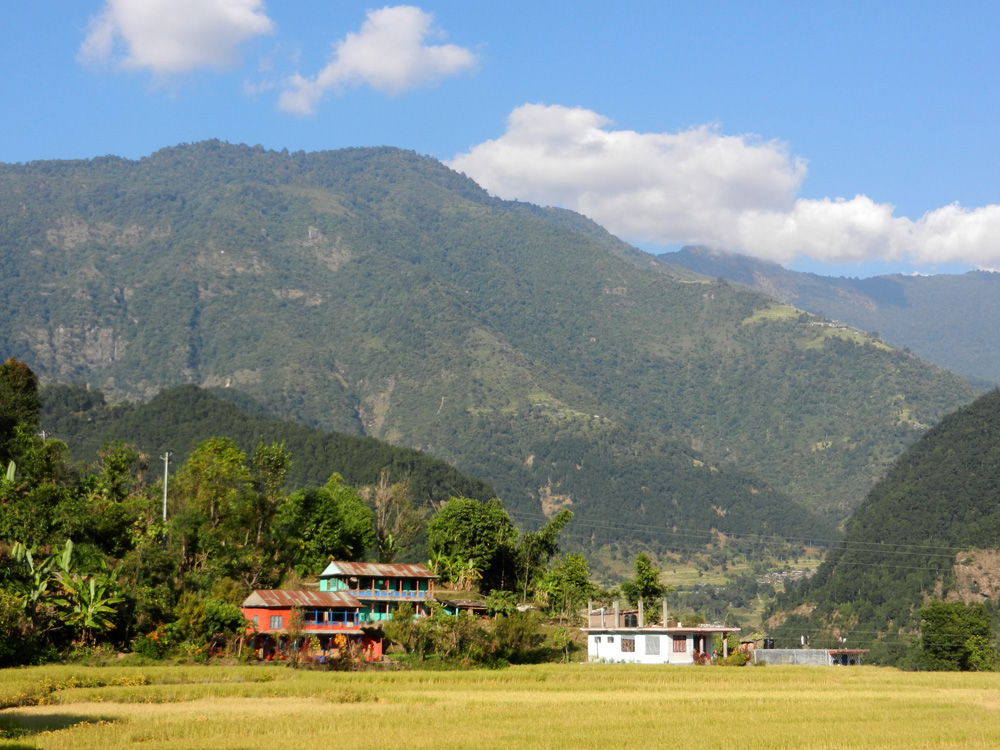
567, 585
397, 521
325, 523
537, 548
269, 465
481, 532
214, 479
120, 510
956, 637
645, 586
210, 499
19, 404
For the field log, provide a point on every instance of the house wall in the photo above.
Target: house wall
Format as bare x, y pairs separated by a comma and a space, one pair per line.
811, 657
260, 619
263, 617
647, 648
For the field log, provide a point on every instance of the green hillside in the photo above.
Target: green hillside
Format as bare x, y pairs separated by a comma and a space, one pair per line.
179, 418
948, 319
928, 530
376, 292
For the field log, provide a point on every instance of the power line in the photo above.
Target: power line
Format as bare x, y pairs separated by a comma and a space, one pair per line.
897, 548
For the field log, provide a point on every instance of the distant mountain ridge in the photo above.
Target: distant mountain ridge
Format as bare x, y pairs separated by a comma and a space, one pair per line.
949, 319
376, 292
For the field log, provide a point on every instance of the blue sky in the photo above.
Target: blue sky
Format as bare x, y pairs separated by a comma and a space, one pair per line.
845, 138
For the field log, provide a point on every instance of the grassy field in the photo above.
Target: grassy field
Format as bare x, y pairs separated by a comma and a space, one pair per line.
552, 706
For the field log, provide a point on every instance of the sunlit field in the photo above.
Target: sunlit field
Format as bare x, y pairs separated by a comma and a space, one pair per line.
551, 706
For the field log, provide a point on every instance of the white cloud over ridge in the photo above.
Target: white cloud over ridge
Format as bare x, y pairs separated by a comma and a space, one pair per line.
389, 54
169, 37
701, 187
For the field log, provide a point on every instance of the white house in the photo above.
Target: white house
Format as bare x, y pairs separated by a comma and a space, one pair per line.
615, 635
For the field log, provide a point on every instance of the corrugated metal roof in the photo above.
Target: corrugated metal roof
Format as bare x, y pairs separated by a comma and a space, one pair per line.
376, 570
468, 603
278, 598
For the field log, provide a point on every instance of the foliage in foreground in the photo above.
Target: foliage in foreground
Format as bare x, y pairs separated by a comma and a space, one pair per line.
513, 638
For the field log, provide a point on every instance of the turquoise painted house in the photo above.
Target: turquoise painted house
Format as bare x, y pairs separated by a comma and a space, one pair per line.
380, 587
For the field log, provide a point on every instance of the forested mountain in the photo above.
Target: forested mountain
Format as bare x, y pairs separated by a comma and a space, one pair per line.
948, 319
179, 418
928, 530
376, 292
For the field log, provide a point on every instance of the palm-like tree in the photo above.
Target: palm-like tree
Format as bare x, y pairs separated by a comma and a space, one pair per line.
88, 601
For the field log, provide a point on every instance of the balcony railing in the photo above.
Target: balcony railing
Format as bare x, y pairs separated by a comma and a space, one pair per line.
383, 594
334, 625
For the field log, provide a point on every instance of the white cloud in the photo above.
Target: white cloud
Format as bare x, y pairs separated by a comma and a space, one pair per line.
656, 187
173, 36
839, 231
389, 54
701, 187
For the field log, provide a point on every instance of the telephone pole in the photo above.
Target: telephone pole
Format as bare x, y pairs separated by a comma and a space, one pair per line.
166, 467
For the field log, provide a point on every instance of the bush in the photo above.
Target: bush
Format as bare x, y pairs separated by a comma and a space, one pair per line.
154, 645
735, 659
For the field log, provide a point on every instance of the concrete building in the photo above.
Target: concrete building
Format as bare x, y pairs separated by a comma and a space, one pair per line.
616, 635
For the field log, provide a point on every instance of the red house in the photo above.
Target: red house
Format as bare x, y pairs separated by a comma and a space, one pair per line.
324, 616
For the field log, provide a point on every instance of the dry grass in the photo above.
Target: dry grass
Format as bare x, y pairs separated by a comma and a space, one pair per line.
568, 706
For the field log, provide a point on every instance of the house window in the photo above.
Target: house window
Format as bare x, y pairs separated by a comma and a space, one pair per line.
628, 645
276, 622
597, 639
680, 644
611, 639
653, 644
255, 623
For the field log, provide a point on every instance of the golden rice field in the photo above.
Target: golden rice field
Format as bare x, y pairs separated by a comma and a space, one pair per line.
551, 706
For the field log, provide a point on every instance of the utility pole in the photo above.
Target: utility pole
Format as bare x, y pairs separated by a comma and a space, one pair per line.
166, 467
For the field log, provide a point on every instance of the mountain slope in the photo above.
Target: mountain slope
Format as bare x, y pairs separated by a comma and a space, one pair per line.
374, 291
947, 319
929, 529
179, 418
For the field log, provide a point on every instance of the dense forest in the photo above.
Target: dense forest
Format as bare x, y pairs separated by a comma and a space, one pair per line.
947, 319
178, 419
928, 530
377, 293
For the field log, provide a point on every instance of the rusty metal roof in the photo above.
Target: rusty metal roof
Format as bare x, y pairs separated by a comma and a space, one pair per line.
280, 599
375, 570
466, 603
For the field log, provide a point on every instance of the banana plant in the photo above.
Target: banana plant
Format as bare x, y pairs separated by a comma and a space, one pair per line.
33, 586
88, 602
464, 573
439, 564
